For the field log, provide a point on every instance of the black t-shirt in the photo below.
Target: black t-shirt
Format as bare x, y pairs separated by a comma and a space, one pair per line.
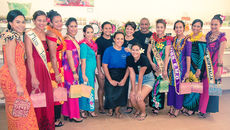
143, 61
130, 43
143, 39
103, 44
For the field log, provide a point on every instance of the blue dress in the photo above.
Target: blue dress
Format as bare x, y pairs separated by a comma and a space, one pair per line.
88, 104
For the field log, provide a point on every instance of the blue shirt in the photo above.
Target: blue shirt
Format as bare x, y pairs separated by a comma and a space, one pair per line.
115, 58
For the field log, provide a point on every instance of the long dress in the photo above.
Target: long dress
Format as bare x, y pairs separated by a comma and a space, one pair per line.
70, 108
45, 115
88, 104
157, 99
9, 90
206, 101
57, 107
191, 101
181, 50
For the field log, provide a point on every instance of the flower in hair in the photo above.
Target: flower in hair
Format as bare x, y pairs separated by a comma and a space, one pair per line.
142, 50
48, 20
165, 21
222, 17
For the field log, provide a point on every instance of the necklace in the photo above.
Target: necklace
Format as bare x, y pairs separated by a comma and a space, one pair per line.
213, 36
197, 37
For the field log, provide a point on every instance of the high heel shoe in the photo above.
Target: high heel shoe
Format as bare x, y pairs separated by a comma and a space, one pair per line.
83, 114
91, 114
74, 120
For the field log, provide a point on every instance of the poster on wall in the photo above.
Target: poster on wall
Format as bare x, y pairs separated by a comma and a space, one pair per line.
23, 7
81, 3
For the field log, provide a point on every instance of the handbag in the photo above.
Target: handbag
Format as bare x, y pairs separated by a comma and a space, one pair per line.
75, 91
185, 88
215, 89
38, 99
197, 87
21, 108
60, 94
164, 86
86, 90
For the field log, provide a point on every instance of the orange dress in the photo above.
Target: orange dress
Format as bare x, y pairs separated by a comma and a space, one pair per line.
9, 90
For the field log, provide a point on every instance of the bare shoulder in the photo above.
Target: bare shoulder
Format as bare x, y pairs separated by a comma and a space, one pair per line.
51, 34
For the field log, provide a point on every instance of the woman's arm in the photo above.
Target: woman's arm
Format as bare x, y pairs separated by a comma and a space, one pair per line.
132, 79
140, 80
107, 75
220, 59
122, 82
101, 75
149, 57
10, 58
83, 68
71, 64
30, 61
166, 61
52, 51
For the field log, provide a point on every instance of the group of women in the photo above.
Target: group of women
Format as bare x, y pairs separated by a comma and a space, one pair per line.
42, 61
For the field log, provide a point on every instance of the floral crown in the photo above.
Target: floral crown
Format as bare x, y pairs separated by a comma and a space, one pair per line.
222, 17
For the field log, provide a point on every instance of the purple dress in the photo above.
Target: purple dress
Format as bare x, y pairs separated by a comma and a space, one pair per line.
173, 98
211, 103
70, 108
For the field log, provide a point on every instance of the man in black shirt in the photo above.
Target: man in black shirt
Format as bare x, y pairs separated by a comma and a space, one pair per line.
144, 34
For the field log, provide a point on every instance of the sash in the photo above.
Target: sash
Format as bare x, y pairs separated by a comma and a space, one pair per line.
176, 70
157, 56
209, 67
75, 43
38, 46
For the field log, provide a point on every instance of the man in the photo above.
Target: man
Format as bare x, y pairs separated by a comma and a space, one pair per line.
143, 35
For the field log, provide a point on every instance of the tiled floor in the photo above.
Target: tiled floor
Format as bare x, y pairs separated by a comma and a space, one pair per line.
218, 121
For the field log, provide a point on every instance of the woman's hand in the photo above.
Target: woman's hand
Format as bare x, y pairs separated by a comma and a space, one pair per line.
186, 76
35, 83
197, 74
19, 90
58, 79
101, 75
76, 77
165, 74
154, 66
85, 78
113, 82
127, 49
139, 97
122, 82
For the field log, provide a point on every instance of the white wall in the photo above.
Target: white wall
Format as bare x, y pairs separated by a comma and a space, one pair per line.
123, 10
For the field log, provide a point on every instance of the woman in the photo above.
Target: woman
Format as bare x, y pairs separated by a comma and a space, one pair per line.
216, 43
38, 76
116, 82
130, 28
103, 42
161, 43
13, 72
87, 72
181, 48
56, 46
70, 108
142, 80
197, 68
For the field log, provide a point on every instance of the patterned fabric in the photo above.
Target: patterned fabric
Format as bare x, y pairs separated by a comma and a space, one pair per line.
70, 108
191, 101
9, 89
182, 50
59, 65
157, 99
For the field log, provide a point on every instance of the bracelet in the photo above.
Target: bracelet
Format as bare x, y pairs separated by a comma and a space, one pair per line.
74, 72
219, 65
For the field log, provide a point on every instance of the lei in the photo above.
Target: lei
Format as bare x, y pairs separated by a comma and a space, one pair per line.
179, 48
9, 35
196, 38
62, 40
90, 43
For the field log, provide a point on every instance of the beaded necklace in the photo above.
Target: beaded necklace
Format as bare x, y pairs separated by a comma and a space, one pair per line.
197, 37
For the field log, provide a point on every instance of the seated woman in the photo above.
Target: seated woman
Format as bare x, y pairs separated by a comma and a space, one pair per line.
116, 83
142, 80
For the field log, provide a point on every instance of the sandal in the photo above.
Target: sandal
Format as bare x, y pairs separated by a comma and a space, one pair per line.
60, 124
102, 111
155, 112
75, 120
141, 118
189, 114
118, 115
129, 110
175, 115
110, 113
92, 114
136, 114
83, 114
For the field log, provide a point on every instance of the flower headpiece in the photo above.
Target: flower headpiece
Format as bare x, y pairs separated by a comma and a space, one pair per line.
222, 17
165, 21
48, 20
142, 50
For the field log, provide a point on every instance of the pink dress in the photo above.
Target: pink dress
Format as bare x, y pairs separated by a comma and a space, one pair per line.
70, 108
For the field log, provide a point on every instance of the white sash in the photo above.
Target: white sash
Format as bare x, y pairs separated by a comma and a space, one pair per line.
38, 46
209, 67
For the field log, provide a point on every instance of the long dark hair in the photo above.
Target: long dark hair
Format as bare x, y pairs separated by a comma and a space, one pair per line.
12, 15
103, 25
51, 14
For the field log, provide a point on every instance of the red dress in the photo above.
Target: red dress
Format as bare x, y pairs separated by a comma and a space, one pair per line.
45, 115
